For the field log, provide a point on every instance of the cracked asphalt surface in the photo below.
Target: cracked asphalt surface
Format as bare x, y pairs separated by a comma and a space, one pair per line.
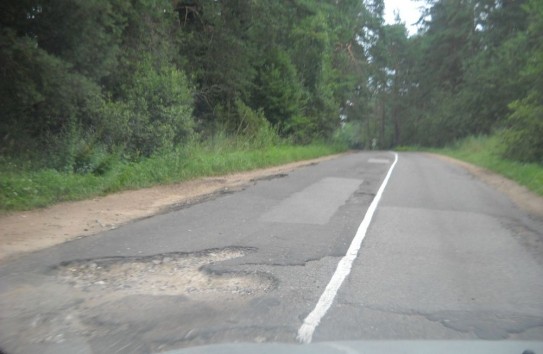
445, 257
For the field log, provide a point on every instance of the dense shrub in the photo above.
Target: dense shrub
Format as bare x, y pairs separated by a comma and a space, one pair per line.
524, 137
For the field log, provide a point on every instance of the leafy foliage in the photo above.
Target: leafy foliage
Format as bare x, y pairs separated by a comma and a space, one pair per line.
474, 67
524, 136
70, 93
278, 89
87, 83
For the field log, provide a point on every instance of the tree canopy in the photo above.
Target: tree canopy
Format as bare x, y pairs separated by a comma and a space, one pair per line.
473, 68
84, 77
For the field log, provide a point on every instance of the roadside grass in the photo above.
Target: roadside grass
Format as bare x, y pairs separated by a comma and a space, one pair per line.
22, 188
486, 151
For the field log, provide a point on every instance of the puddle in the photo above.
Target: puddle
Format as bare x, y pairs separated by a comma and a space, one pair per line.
164, 274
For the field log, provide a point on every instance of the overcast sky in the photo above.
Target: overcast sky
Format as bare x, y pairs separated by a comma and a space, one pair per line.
409, 12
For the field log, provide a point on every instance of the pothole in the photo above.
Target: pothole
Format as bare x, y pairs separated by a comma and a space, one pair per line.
163, 274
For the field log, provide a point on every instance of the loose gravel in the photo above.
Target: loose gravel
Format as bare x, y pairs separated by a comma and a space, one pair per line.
165, 274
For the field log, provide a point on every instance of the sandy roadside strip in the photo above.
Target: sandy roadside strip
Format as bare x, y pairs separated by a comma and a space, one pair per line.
521, 196
28, 231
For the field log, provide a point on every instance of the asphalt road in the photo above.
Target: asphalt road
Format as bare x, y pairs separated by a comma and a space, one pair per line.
444, 257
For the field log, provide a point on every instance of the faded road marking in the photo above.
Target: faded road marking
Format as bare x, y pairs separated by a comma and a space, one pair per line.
305, 333
383, 161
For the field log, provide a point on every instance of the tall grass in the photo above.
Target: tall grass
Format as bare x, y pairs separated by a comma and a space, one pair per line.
23, 188
487, 152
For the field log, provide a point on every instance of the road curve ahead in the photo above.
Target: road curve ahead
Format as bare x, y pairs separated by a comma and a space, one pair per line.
443, 256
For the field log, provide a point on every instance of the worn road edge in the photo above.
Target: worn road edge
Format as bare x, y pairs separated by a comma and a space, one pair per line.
520, 195
37, 229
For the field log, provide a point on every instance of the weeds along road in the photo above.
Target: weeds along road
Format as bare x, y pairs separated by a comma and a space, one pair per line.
313, 255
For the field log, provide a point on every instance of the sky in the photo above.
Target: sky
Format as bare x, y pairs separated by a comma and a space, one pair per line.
409, 12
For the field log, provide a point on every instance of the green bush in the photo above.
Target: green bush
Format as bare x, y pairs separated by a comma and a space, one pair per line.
301, 129
350, 135
40, 97
160, 104
524, 136
278, 89
254, 127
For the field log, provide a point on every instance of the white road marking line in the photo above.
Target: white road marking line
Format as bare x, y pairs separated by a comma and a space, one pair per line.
305, 333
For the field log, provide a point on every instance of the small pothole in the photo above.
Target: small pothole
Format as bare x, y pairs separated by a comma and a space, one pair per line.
163, 274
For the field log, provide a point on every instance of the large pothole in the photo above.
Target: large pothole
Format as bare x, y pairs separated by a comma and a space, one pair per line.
163, 274
101, 299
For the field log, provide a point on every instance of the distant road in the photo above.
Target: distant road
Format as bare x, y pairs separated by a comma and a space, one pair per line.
444, 256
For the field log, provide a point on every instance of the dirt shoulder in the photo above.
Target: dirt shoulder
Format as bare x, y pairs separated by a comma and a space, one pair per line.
521, 196
37, 229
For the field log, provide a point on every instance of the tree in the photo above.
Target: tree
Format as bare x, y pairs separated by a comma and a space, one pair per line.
524, 133
278, 90
72, 76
